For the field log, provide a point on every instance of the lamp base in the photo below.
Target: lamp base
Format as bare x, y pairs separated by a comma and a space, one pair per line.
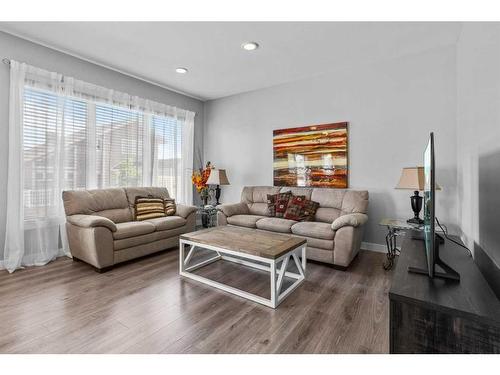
415, 220
217, 195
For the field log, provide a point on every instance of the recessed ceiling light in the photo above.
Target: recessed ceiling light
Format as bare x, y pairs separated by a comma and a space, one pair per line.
250, 46
181, 70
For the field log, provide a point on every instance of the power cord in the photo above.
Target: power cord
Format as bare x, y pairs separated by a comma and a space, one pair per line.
445, 232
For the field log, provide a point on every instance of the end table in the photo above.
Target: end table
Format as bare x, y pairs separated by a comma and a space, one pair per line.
395, 228
208, 216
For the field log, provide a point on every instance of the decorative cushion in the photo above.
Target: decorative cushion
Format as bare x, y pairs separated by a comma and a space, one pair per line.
170, 207
276, 224
294, 208
148, 208
308, 210
278, 203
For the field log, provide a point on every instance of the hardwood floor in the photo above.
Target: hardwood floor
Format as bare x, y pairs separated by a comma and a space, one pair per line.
145, 307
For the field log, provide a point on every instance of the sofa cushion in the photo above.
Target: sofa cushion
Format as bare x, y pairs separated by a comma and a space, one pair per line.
109, 203
258, 209
244, 220
275, 224
317, 242
167, 222
305, 191
234, 209
148, 238
257, 194
314, 229
355, 201
326, 214
132, 229
331, 198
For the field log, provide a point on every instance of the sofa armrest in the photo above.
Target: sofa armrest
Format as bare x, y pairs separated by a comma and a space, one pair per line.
91, 221
233, 209
352, 220
184, 211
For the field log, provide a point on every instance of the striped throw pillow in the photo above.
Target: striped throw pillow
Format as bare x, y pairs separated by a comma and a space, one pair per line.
149, 208
170, 207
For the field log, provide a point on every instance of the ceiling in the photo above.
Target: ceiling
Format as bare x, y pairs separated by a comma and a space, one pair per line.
212, 52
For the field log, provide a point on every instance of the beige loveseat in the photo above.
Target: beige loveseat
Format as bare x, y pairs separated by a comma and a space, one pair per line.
335, 235
102, 231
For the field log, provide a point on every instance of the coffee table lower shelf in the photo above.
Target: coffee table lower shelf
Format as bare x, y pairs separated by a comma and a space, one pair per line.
276, 267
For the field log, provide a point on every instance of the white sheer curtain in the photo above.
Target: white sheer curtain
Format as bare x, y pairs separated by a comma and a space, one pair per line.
59, 138
185, 192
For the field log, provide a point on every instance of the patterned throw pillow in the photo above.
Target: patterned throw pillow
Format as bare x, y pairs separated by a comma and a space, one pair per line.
295, 208
277, 203
271, 205
148, 208
170, 207
308, 211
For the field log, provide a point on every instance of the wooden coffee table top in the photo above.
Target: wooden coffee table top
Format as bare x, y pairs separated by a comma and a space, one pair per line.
245, 240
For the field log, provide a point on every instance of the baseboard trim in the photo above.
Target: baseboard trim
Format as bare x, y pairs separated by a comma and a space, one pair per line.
370, 246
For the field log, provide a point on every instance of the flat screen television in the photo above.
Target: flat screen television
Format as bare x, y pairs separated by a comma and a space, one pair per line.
431, 239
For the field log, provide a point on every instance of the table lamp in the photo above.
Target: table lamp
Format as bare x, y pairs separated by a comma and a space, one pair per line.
413, 179
217, 177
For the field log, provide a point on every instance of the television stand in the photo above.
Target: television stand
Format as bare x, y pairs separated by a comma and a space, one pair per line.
449, 273
439, 316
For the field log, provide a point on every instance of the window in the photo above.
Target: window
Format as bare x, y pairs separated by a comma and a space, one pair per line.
93, 145
167, 138
120, 136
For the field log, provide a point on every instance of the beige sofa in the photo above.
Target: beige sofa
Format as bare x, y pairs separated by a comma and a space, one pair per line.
102, 231
335, 235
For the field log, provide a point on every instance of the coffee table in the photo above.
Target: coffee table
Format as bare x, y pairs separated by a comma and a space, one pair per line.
266, 251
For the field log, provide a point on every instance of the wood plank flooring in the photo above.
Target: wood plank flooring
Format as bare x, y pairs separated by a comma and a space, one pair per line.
145, 307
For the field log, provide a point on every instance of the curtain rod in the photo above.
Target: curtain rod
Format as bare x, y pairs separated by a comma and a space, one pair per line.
6, 61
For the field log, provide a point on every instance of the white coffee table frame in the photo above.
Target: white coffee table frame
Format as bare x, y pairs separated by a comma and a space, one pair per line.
261, 263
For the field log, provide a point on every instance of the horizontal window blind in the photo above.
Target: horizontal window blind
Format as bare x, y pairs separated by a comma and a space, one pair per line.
49, 122
79, 144
167, 140
119, 146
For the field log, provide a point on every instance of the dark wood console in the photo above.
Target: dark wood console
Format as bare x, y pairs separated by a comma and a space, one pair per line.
441, 316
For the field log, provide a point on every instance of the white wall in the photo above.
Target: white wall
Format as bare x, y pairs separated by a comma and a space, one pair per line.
391, 107
478, 87
37, 55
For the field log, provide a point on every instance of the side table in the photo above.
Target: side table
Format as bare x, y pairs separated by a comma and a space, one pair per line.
208, 215
395, 228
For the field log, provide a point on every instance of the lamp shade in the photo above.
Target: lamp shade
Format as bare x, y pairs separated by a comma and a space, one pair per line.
217, 177
412, 178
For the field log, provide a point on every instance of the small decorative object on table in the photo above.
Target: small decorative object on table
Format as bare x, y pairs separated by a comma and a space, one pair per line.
199, 179
395, 228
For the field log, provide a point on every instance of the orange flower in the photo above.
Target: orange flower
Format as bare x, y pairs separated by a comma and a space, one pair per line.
200, 178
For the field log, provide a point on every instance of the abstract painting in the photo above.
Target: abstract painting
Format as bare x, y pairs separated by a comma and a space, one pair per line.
314, 155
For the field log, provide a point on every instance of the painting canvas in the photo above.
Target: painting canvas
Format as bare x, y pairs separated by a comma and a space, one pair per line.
314, 155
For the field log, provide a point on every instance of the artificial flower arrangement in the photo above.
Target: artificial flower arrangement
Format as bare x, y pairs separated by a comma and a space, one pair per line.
199, 179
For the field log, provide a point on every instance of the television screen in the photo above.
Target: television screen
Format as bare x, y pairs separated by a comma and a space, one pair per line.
429, 199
